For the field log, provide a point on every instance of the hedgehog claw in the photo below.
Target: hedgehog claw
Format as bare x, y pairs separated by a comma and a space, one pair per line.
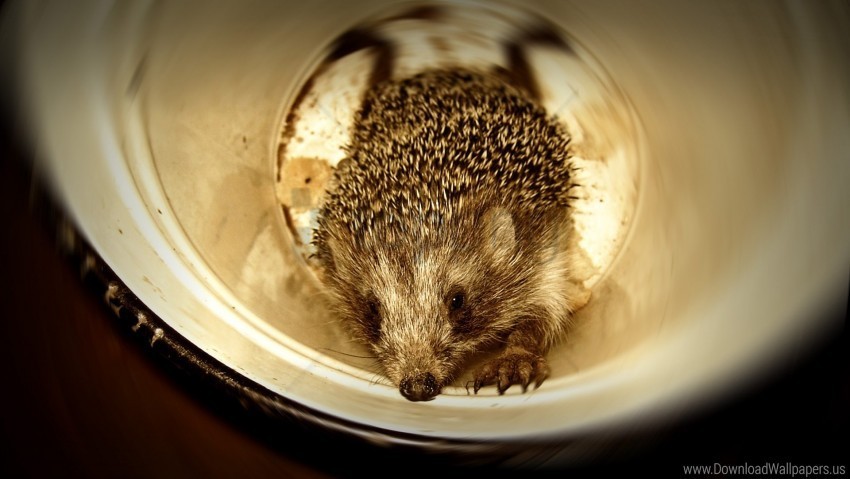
524, 371
541, 377
486, 375
512, 367
478, 384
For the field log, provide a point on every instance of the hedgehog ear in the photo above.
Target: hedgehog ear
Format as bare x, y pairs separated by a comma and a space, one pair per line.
499, 234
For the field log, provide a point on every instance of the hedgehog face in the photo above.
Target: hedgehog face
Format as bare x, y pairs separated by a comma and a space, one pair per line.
421, 320
424, 308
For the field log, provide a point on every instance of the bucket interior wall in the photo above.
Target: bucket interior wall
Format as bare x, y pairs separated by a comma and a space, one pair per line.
737, 227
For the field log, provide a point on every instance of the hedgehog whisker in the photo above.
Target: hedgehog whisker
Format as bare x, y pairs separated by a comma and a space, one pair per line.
378, 378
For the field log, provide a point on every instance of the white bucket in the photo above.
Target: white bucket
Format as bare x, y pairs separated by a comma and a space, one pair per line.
158, 125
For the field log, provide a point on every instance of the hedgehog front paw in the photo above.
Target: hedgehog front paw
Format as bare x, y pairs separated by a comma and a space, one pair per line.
513, 366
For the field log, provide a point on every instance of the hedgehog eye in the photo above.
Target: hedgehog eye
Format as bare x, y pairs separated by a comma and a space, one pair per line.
457, 299
463, 320
373, 307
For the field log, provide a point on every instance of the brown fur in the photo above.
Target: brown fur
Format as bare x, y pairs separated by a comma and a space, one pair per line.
455, 186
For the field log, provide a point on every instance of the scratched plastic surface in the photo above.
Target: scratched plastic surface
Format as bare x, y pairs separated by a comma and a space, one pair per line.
714, 222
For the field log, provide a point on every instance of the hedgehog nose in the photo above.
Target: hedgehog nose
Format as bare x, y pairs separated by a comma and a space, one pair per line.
422, 387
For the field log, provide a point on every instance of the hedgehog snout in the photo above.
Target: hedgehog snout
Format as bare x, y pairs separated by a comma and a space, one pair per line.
421, 387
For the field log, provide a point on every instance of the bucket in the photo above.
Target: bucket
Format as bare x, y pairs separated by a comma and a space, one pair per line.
717, 132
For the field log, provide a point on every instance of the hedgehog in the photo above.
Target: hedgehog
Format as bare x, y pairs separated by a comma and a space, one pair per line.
444, 231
